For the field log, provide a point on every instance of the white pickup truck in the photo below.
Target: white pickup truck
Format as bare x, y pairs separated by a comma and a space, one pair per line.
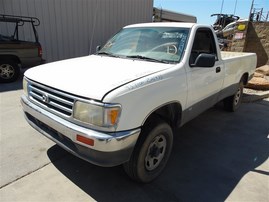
123, 104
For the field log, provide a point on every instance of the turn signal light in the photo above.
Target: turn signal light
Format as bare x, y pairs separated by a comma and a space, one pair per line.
113, 114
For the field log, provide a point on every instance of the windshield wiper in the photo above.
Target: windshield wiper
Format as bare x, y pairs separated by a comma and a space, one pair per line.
107, 53
147, 58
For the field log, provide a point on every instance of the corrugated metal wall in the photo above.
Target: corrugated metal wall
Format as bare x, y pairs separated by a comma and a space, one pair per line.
72, 28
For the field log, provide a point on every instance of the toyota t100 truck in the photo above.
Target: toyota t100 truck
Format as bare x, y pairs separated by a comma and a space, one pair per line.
123, 104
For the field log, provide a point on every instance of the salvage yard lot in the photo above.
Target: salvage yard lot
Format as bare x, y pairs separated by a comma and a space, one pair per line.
217, 156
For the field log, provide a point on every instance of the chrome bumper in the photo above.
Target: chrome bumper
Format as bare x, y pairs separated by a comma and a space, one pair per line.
109, 149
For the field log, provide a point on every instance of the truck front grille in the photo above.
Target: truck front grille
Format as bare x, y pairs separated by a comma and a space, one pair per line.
51, 99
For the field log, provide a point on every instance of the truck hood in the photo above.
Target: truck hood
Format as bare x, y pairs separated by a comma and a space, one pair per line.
92, 76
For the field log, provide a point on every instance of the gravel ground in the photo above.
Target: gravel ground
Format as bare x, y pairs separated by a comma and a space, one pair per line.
251, 95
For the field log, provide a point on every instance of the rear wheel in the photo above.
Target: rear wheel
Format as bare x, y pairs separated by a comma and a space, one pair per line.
9, 71
151, 152
233, 102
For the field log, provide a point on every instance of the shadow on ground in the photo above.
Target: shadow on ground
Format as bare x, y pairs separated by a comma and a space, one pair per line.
210, 156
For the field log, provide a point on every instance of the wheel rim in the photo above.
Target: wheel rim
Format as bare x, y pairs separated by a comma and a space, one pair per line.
155, 153
237, 97
6, 71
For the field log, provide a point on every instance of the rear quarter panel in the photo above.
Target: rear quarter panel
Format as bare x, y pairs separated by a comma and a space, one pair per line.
26, 52
236, 65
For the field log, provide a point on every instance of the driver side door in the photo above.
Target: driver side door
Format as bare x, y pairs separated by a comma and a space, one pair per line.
204, 83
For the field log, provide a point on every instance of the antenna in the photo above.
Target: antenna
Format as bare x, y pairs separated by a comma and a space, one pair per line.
94, 24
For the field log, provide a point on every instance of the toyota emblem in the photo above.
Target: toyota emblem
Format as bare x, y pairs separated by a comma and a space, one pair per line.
45, 98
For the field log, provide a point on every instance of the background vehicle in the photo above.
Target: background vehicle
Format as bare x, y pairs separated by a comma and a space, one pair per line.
124, 104
16, 53
229, 29
223, 20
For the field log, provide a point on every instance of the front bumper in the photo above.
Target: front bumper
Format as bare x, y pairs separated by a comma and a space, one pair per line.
109, 149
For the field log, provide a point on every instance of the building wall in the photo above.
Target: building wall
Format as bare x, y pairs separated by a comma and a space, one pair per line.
72, 28
163, 15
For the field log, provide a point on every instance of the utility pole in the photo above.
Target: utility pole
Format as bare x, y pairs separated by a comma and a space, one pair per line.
221, 6
235, 6
250, 12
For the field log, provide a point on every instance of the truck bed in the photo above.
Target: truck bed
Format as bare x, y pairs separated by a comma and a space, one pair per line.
233, 61
227, 54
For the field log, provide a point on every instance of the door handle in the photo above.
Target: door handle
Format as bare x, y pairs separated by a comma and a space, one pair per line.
218, 69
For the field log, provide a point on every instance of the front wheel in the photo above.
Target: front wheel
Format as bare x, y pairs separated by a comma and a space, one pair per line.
233, 102
9, 71
151, 152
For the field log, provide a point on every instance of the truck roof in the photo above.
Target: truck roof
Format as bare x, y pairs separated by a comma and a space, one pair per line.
163, 24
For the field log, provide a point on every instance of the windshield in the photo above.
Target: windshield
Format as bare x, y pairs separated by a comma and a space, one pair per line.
157, 44
6, 38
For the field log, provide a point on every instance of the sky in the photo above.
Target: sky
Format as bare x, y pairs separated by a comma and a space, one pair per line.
202, 9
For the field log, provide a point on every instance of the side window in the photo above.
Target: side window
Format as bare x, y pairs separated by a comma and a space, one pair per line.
203, 43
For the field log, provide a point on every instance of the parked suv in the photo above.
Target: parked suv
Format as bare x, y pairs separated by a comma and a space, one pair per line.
14, 52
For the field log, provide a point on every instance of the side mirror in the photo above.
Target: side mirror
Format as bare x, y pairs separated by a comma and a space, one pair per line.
98, 48
205, 60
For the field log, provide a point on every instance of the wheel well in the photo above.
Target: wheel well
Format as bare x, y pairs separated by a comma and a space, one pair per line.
244, 78
171, 113
10, 57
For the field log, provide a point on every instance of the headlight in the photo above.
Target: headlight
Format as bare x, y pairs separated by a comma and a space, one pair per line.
25, 86
103, 115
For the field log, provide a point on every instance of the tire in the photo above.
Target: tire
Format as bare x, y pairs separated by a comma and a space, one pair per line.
151, 152
233, 102
9, 71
